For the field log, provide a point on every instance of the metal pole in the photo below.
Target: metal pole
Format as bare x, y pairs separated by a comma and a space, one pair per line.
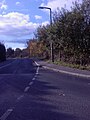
51, 42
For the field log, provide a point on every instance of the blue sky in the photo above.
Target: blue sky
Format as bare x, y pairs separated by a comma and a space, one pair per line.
20, 18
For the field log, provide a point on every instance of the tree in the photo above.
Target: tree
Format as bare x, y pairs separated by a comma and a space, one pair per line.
2, 52
70, 33
25, 53
36, 48
10, 52
18, 52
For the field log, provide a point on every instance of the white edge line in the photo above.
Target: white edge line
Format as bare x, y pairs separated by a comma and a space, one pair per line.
6, 114
70, 73
7, 65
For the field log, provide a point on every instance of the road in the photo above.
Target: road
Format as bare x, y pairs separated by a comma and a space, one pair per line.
30, 92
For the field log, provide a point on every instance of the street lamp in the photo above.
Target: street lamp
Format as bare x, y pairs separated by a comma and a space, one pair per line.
51, 43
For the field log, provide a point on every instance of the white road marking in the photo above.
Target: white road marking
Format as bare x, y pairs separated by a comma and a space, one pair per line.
36, 63
30, 83
20, 97
66, 72
35, 76
37, 69
26, 89
63, 94
36, 73
7, 65
33, 79
6, 114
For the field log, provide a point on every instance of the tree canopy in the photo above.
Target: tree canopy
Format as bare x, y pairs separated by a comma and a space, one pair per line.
70, 33
2, 52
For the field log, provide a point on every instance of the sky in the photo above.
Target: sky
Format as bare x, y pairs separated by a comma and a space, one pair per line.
19, 19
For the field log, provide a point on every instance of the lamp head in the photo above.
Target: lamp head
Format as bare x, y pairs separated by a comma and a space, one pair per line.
44, 8
41, 8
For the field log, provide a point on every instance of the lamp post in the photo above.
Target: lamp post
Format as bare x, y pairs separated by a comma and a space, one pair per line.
51, 43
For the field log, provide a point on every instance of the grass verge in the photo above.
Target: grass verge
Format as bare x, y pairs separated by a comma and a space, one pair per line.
87, 67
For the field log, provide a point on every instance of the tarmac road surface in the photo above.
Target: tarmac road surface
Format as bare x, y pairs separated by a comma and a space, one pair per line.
31, 92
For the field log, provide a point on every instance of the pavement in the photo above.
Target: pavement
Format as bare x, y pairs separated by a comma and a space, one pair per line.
64, 69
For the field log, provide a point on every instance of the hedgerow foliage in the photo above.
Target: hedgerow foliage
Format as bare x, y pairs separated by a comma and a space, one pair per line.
70, 33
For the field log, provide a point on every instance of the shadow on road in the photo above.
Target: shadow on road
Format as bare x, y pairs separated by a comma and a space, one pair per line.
37, 105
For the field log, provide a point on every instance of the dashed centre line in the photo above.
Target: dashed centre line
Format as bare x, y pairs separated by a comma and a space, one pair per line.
33, 78
31, 83
20, 97
36, 73
26, 89
37, 69
6, 114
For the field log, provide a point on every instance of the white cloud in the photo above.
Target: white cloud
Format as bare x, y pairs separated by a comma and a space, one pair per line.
15, 45
16, 25
54, 4
17, 3
38, 17
3, 5
45, 23
16, 28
